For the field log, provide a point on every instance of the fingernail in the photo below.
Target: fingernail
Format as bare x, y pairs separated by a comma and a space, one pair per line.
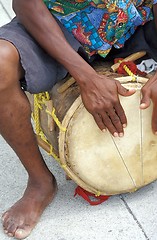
115, 134
104, 130
121, 134
155, 133
142, 105
124, 125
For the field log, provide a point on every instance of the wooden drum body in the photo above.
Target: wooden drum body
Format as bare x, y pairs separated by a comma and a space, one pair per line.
97, 161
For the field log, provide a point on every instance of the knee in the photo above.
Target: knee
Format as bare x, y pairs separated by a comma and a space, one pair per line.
9, 65
8, 54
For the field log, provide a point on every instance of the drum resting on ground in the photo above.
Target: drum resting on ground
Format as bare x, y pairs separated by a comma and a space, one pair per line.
97, 161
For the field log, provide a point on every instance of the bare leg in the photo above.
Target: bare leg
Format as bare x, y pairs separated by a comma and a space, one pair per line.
16, 128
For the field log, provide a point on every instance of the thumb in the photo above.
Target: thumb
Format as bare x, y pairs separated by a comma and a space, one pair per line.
145, 101
124, 91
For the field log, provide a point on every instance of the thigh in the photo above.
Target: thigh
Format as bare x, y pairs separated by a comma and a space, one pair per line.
10, 66
41, 71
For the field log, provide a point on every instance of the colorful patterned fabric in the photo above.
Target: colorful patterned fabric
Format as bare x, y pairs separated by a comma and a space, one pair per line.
100, 24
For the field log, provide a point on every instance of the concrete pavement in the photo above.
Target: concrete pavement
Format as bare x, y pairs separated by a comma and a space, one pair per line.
123, 217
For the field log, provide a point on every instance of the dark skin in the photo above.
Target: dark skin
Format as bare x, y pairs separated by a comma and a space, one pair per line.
100, 99
16, 128
99, 95
149, 91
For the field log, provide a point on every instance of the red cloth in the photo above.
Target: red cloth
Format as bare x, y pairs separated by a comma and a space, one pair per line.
131, 65
86, 195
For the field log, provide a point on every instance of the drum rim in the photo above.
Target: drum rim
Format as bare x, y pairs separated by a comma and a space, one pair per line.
62, 137
62, 154
61, 141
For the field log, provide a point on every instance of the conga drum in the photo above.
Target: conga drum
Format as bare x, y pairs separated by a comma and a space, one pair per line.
96, 161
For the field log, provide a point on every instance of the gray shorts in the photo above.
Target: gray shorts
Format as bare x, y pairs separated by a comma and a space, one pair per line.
41, 70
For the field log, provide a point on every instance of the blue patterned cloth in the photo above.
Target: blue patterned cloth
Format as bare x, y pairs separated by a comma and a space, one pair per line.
99, 25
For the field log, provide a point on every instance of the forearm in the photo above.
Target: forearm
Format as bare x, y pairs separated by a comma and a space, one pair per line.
39, 22
99, 93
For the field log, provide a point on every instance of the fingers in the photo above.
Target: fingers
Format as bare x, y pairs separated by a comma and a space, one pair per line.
149, 93
99, 121
102, 101
154, 119
114, 123
118, 120
111, 121
121, 114
154, 113
145, 101
123, 91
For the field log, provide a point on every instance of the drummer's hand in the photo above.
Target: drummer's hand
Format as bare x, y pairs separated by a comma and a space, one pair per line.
149, 92
100, 98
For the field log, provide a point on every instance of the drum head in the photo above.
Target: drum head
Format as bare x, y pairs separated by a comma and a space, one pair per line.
103, 164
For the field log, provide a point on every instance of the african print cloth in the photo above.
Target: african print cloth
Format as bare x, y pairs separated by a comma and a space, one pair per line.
99, 25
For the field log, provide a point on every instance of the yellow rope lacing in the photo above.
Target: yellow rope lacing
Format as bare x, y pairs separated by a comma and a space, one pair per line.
129, 72
53, 115
39, 100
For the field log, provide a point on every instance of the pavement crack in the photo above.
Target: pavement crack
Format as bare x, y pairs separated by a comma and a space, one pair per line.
134, 217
